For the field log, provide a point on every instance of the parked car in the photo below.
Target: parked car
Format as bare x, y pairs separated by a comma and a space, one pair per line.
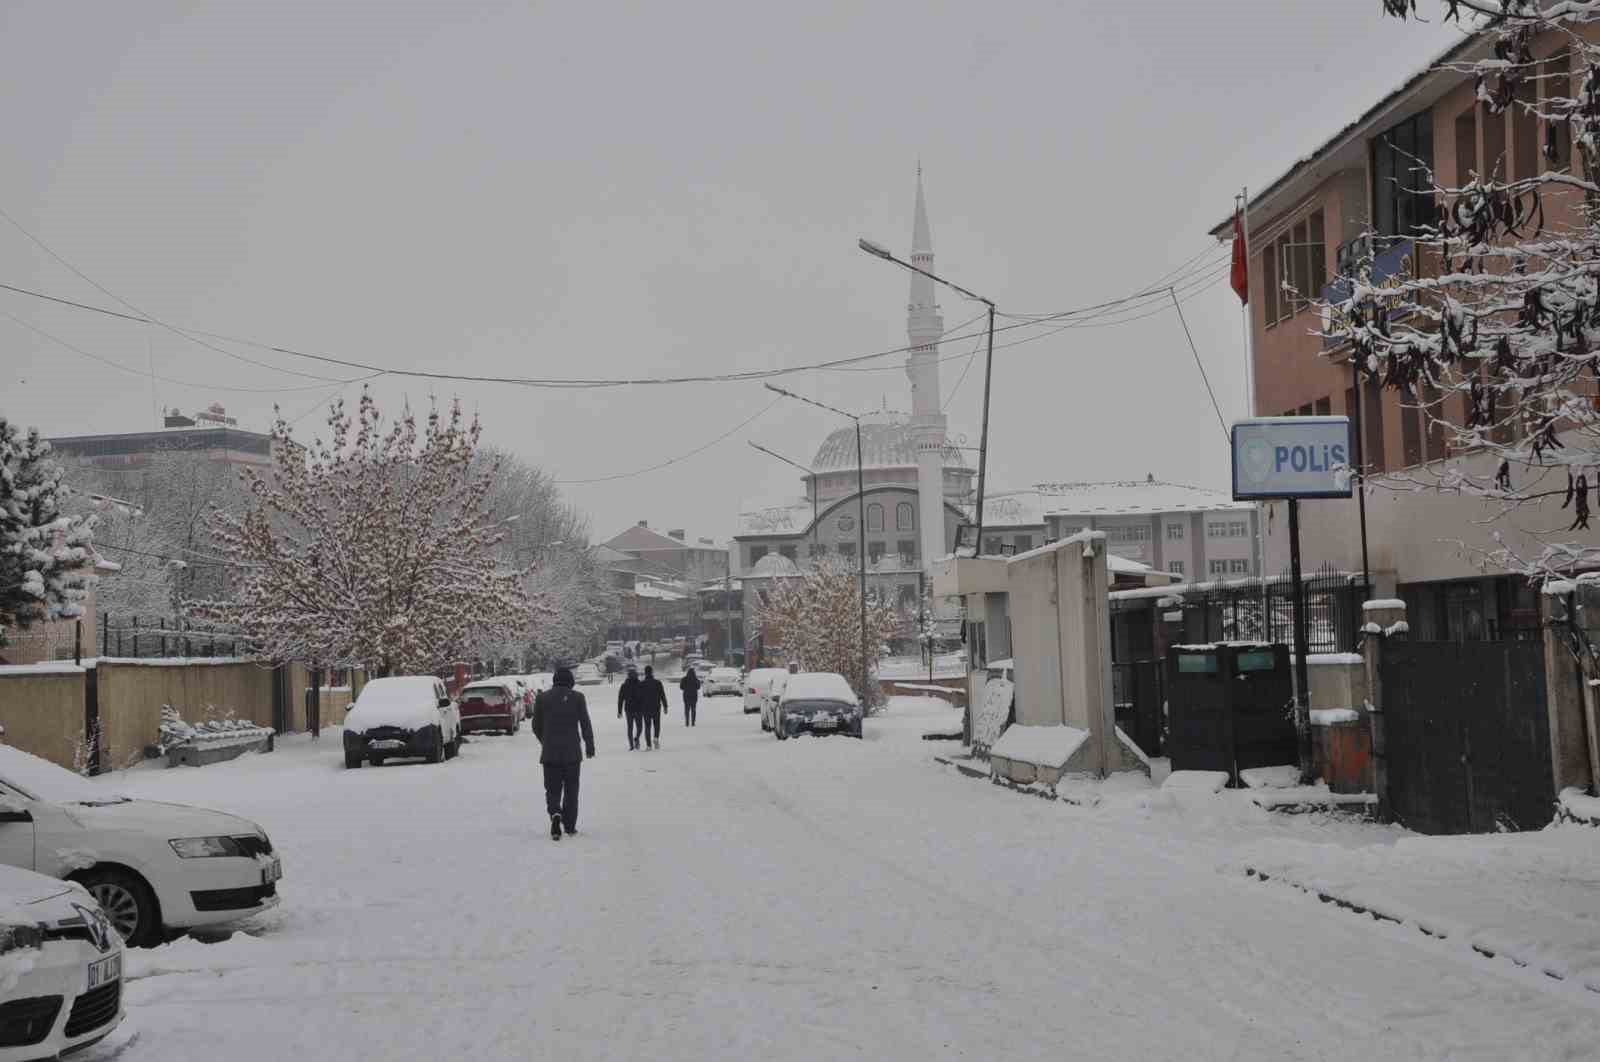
755, 688
538, 682
406, 715
492, 704
818, 702
587, 675
770, 698
724, 681
156, 870
64, 989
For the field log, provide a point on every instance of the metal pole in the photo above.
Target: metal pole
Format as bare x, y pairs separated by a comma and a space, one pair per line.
983, 442
861, 506
1361, 466
1302, 710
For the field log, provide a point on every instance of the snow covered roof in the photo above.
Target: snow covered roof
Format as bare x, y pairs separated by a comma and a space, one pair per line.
660, 593
773, 566
642, 539
884, 444
1131, 498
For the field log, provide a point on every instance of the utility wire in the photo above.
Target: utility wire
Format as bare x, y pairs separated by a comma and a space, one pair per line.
1221, 423
675, 460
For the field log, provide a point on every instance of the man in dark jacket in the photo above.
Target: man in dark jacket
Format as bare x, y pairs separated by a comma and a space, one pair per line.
690, 685
627, 695
650, 698
560, 718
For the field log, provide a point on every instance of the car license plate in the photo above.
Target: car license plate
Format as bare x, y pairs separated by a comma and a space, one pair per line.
824, 724
272, 871
387, 745
104, 971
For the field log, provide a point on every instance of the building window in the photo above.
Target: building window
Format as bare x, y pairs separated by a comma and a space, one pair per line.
847, 550
1557, 135
1217, 567
1238, 529
1239, 567
1175, 567
908, 595
874, 517
792, 552
1129, 533
1174, 532
1216, 530
1324, 407
874, 553
905, 518
1301, 255
756, 553
1402, 177
991, 548
908, 551
819, 549
1024, 543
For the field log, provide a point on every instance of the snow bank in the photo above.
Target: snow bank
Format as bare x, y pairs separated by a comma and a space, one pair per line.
1332, 716
1050, 746
1578, 806
1328, 659
1196, 781
1283, 777
1381, 603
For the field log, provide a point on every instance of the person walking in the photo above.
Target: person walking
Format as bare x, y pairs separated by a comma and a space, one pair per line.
560, 719
627, 695
690, 685
652, 700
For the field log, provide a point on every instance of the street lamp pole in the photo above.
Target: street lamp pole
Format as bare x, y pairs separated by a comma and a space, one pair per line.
877, 251
808, 472
861, 519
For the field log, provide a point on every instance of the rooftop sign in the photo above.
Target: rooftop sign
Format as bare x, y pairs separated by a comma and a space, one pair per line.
1291, 457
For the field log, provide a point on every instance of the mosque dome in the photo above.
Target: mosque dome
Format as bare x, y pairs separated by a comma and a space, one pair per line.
883, 445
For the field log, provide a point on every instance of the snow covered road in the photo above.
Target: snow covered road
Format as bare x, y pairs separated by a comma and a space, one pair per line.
733, 897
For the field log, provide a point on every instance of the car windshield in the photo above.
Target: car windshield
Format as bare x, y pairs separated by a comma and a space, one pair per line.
42, 780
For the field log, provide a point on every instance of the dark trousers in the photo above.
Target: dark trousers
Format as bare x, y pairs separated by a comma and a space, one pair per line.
635, 728
689, 704
652, 727
561, 792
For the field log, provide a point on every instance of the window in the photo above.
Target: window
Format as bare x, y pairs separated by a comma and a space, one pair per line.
1411, 428
1175, 533
1217, 567
819, 549
1175, 567
991, 548
1269, 275
1301, 257
1024, 543
1557, 135
756, 553
1324, 407
905, 518
792, 552
1129, 533
1304, 411
908, 551
847, 550
1432, 416
1238, 529
1525, 130
908, 597
874, 517
1402, 163
874, 552
1494, 162
1466, 145
1239, 567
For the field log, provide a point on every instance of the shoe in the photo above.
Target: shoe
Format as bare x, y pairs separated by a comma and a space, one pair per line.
571, 830
555, 827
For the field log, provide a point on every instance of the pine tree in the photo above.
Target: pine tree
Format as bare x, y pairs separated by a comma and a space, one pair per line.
46, 563
372, 549
816, 618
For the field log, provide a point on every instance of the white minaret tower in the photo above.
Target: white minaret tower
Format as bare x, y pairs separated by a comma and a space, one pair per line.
925, 326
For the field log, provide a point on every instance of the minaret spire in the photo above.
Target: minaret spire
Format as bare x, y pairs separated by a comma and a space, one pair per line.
925, 327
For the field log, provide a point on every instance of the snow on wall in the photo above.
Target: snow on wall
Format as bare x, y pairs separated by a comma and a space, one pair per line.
990, 719
1047, 746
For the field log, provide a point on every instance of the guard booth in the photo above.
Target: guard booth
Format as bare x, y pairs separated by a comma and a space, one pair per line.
1230, 707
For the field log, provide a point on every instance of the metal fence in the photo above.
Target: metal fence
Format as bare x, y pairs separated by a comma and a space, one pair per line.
124, 635
1262, 610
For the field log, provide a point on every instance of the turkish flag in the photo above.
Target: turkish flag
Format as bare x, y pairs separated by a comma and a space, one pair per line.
1239, 278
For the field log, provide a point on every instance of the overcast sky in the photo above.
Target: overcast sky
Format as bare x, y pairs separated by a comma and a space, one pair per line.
600, 190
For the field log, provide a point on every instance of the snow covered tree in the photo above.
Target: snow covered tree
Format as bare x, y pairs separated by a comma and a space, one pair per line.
372, 549
1494, 333
816, 618
46, 564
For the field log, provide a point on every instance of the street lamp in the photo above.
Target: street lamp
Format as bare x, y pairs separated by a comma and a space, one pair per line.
808, 472
861, 516
988, 369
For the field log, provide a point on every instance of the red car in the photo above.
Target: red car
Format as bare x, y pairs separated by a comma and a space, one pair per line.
490, 705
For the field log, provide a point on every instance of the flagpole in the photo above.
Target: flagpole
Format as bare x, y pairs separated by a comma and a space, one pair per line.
1258, 539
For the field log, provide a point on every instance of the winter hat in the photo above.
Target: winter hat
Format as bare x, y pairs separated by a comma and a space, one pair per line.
564, 677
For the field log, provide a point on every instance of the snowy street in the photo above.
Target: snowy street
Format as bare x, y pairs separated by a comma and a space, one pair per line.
730, 896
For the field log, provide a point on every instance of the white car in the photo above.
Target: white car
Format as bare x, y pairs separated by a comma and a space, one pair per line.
406, 715
725, 681
155, 869
818, 702
755, 688
538, 682
770, 697
587, 675
60, 967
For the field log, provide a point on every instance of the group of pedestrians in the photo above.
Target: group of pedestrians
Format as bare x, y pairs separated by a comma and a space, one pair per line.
561, 723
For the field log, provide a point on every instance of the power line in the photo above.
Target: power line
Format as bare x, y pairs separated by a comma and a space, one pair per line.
675, 460
1221, 422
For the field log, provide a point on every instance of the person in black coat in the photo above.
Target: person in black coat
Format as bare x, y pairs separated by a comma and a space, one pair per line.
627, 696
690, 685
650, 700
560, 718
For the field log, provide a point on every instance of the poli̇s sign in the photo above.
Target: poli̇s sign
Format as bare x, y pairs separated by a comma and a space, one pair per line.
1291, 457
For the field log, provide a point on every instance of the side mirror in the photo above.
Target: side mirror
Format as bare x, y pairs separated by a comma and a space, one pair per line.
444, 702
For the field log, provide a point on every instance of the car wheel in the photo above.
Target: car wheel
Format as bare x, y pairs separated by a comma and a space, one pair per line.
436, 750
352, 760
127, 901
778, 729
377, 761
452, 749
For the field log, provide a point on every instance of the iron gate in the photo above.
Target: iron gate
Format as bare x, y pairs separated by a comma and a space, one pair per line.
1230, 708
1467, 735
1137, 689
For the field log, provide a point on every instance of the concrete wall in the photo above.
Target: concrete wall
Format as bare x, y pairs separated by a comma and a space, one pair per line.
43, 713
132, 693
